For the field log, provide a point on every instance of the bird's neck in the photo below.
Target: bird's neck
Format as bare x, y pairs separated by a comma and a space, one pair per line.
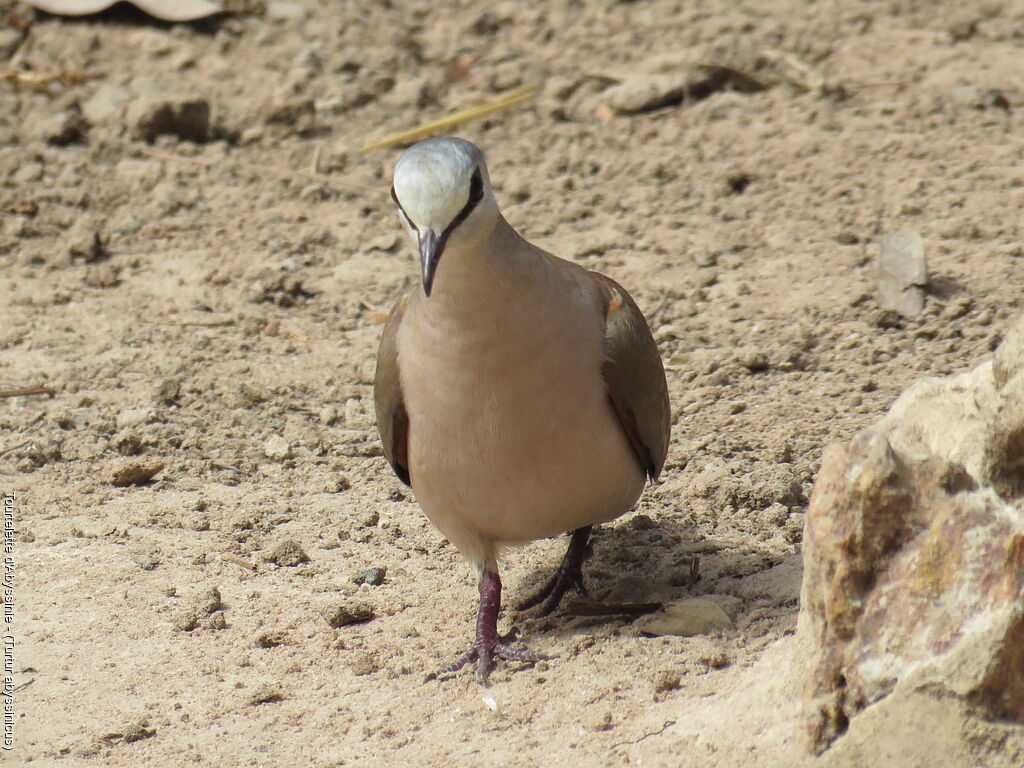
476, 275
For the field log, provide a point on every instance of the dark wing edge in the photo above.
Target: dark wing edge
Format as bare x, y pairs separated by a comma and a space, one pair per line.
635, 376
392, 418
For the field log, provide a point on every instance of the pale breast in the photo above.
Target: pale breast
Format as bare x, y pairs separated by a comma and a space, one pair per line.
512, 437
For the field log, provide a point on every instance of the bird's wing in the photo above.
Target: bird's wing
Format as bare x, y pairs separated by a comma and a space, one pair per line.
392, 418
634, 375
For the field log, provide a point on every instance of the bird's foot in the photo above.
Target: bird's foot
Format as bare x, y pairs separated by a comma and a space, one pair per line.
485, 651
550, 595
489, 645
568, 576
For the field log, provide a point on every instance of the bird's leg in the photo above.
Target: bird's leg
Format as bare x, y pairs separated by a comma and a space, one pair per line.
568, 576
488, 645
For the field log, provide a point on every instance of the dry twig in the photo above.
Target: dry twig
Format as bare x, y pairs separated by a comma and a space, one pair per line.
14, 447
239, 561
506, 100
40, 81
665, 727
26, 391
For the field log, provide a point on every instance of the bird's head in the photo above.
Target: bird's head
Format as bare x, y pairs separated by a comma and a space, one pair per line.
444, 197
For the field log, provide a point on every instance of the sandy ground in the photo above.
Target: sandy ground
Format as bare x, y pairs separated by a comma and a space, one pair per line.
236, 296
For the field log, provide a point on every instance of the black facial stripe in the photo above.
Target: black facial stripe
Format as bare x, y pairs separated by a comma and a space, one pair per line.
476, 194
404, 214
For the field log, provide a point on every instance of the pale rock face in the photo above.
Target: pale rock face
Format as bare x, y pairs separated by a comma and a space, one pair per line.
914, 553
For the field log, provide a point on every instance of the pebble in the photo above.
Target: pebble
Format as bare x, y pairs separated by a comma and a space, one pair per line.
105, 103
372, 576
184, 116
362, 663
599, 721
686, 618
287, 553
201, 612
86, 240
265, 694
343, 614
133, 472
277, 448
666, 680
68, 127
369, 519
135, 417
270, 639
902, 272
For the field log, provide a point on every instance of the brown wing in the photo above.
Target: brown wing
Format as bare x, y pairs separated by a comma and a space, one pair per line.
635, 376
392, 418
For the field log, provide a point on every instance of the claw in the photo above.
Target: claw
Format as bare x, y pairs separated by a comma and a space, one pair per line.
485, 657
488, 645
568, 576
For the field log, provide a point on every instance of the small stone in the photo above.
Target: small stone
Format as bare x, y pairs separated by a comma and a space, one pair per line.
328, 415
277, 448
372, 576
169, 391
666, 680
198, 523
105, 104
127, 443
337, 484
67, 127
86, 240
599, 721
134, 472
902, 272
147, 561
134, 417
362, 663
209, 601
265, 694
753, 359
129, 733
686, 618
270, 639
200, 611
186, 117
103, 275
298, 113
344, 614
369, 519
288, 553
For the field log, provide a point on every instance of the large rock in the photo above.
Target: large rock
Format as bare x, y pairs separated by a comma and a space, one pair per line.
914, 554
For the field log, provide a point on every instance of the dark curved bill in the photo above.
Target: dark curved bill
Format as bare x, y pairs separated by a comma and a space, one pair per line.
430, 254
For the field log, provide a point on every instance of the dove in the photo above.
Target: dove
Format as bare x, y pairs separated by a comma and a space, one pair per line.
518, 394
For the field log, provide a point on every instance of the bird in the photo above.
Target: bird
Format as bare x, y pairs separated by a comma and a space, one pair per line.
518, 394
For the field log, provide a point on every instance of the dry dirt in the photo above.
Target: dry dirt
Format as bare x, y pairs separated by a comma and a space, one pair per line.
235, 295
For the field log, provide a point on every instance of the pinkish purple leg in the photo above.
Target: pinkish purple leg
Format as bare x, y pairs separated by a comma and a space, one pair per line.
568, 576
488, 645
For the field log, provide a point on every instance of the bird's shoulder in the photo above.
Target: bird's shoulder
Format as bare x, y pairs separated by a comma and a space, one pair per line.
388, 399
634, 374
